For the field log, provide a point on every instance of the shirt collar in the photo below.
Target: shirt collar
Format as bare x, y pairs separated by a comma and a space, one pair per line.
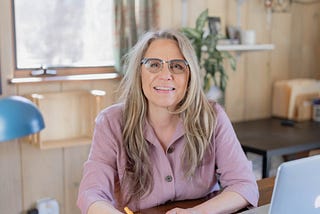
151, 137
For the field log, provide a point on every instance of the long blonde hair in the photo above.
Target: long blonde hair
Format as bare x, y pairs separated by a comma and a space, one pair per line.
195, 110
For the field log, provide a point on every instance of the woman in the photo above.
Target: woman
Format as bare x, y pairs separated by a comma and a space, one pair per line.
165, 141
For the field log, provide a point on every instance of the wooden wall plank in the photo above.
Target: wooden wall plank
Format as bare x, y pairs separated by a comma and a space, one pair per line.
258, 87
235, 91
6, 47
73, 164
305, 33
43, 175
280, 56
258, 84
10, 179
176, 16
165, 7
194, 9
234, 98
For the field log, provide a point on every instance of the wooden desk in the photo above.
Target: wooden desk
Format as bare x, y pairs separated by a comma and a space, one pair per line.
267, 137
265, 190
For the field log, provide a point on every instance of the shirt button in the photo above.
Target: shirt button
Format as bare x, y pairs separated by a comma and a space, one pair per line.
170, 149
168, 178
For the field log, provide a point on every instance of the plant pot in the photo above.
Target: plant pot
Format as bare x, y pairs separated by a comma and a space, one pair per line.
216, 94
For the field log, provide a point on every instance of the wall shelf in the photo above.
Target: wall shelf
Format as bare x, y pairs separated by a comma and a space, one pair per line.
68, 116
240, 47
35, 79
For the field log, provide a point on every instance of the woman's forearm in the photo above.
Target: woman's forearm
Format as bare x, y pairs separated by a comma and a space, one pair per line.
225, 202
102, 207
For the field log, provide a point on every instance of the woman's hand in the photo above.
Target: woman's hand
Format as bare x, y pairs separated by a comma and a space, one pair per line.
182, 211
225, 202
102, 207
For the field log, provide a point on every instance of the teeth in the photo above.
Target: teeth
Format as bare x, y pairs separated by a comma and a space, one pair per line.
164, 88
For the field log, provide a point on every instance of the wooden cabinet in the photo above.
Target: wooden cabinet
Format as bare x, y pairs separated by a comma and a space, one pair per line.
69, 117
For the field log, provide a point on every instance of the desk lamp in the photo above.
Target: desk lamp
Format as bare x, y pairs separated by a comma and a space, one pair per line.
18, 117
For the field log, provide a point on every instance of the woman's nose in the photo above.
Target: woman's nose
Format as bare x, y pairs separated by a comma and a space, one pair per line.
165, 72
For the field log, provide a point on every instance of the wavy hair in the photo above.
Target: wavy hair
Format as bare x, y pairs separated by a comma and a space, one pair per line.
195, 110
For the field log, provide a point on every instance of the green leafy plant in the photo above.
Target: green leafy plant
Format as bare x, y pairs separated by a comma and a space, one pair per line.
209, 58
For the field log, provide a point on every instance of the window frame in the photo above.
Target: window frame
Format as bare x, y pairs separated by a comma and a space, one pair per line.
61, 71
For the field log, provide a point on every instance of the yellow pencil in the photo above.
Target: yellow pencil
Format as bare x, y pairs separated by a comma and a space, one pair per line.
128, 211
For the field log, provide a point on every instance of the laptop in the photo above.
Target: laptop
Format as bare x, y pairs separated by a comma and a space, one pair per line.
296, 189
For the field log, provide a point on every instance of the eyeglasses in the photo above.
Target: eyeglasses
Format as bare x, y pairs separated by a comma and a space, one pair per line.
155, 65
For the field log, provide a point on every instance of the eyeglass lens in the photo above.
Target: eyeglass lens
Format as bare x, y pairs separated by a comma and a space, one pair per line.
176, 66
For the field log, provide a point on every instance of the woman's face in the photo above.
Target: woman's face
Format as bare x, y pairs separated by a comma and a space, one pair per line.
164, 89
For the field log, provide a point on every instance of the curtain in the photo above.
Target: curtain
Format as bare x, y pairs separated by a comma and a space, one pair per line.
132, 19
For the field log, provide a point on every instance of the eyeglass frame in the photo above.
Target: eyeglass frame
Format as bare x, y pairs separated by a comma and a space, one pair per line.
145, 60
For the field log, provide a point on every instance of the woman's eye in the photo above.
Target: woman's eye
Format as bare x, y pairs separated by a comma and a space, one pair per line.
177, 66
154, 64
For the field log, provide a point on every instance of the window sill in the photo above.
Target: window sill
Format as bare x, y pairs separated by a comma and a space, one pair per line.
79, 77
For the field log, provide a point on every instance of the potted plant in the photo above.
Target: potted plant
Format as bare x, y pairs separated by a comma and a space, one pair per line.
209, 57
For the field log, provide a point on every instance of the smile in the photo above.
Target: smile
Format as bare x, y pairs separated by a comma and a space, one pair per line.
163, 88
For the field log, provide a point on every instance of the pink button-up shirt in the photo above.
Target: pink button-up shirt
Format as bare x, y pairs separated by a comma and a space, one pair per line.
104, 169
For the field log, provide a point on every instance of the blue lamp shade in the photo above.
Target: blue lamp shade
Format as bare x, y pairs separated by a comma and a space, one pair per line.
18, 117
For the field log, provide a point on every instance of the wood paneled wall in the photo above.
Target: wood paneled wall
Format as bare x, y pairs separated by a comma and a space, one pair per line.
28, 174
294, 33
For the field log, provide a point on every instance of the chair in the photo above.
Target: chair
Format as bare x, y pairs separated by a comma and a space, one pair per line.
265, 186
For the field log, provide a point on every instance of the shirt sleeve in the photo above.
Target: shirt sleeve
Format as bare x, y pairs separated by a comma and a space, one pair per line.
99, 173
233, 167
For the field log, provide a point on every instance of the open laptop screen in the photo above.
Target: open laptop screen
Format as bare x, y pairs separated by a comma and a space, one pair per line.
297, 187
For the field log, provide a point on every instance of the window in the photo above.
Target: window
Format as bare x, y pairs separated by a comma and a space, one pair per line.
63, 33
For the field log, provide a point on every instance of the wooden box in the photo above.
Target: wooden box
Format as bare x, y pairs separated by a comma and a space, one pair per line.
68, 116
292, 98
